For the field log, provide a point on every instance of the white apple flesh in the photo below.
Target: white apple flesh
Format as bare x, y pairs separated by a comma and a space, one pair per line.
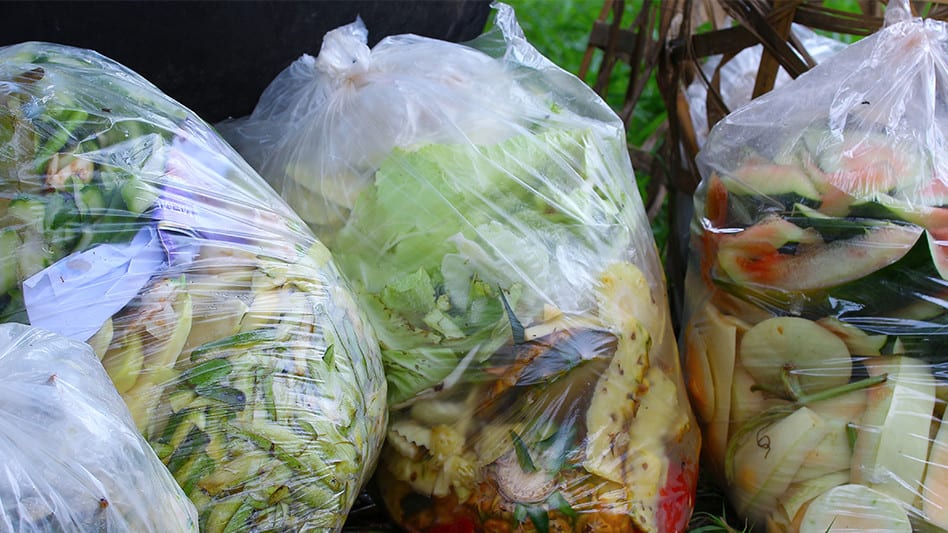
892, 437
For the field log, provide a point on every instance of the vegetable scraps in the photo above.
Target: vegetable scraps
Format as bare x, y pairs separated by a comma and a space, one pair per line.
127, 223
526, 387
528, 357
482, 205
815, 344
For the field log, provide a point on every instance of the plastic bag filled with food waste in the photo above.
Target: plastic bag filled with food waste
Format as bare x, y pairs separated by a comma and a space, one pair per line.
70, 456
126, 222
815, 343
486, 212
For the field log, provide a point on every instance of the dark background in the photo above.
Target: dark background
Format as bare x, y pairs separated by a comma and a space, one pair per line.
217, 57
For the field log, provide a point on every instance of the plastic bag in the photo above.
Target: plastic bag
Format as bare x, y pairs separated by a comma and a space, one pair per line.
325, 124
492, 227
815, 345
739, 74
224, 324
70, 456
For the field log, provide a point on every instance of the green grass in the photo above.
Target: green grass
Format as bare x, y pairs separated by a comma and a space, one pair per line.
558, 28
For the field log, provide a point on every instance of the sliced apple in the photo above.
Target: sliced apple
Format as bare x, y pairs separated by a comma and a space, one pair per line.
741, 325
767, 460
745, 401
834, 452
720, 340
799, 494
892, 436
698, 375
855, 507
733, 307
857, 341
935, 488
816, 358
776, 523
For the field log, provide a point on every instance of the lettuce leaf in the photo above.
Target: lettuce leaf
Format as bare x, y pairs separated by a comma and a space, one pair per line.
445, 228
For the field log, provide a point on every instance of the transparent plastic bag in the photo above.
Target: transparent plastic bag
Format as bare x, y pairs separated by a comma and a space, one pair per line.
814, 346
738, 75
126, 222
496, 237
325, 124
71, 459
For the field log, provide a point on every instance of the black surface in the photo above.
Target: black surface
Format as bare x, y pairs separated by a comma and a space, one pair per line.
217, 57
